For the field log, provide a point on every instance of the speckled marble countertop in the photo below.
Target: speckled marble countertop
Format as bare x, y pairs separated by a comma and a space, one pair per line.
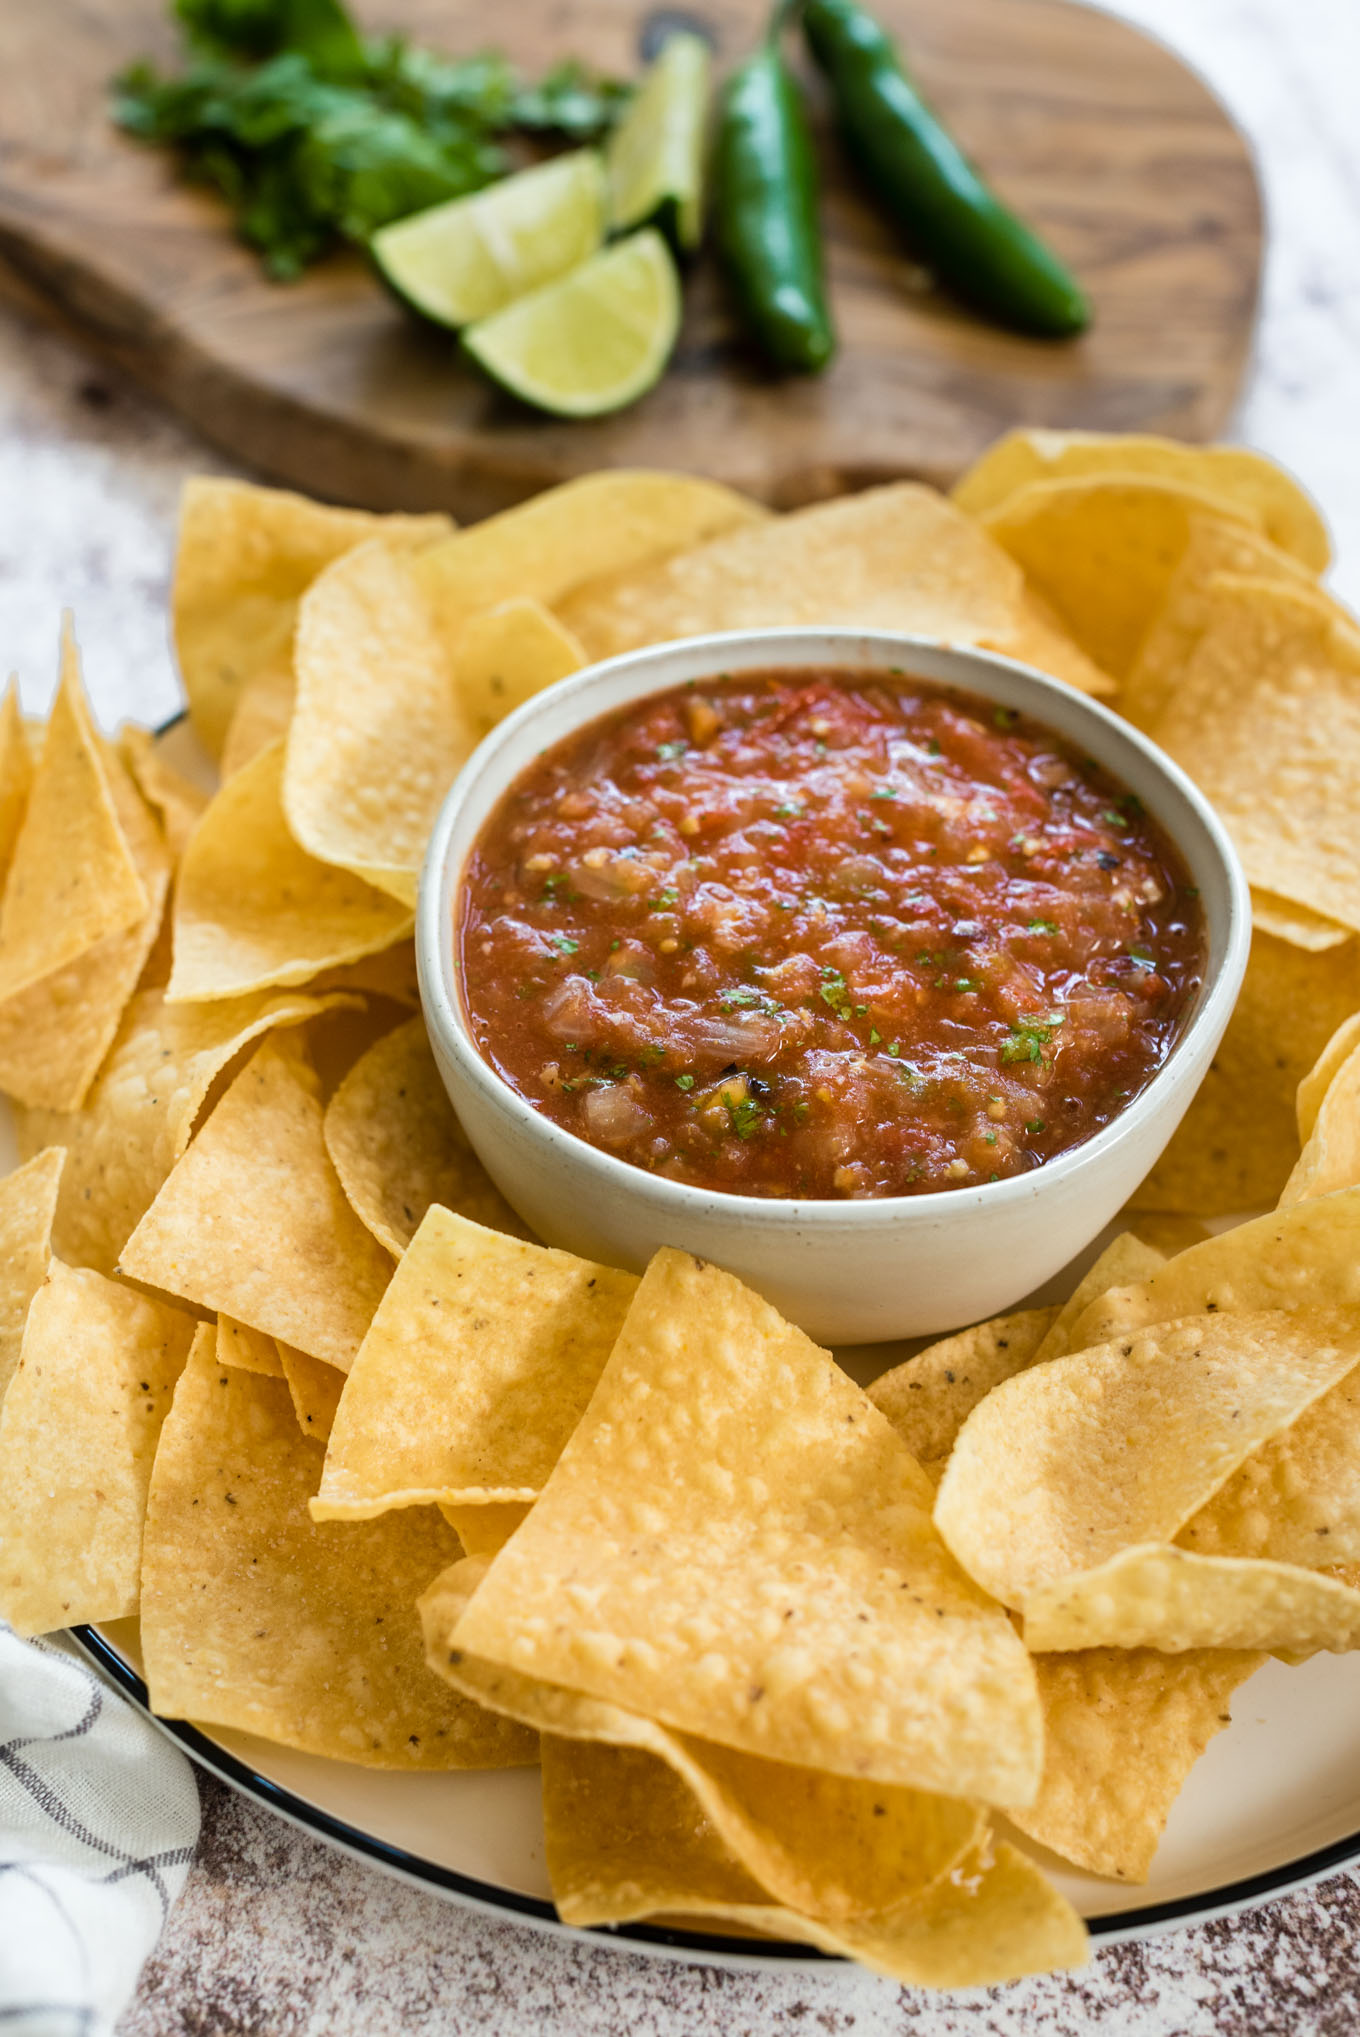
278, 1936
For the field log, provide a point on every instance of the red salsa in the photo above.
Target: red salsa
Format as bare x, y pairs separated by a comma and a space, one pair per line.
804, 934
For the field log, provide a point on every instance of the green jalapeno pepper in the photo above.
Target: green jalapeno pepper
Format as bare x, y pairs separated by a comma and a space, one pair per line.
960, 229
765, 214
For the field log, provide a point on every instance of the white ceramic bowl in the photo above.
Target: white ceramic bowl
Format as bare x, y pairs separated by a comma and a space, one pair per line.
847, 1272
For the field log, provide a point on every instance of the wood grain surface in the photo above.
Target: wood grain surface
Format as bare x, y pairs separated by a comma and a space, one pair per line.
1100, 135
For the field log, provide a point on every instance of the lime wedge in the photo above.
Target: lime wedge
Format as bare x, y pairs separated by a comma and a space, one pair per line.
464, 260
592, 341
656, 153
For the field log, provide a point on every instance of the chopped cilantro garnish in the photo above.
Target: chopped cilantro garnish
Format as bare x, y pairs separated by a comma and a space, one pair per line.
1005, 717
934, 748
1028, 1036
834, 991
684, 1082
874, 1036
789, 809
989, 1138
1035, 1125
563, 943
1042, 926
664, 900
884, 792
668, 752
744, 1117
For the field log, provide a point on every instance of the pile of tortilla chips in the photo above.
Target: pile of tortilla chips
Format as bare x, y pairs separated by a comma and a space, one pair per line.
386, 1480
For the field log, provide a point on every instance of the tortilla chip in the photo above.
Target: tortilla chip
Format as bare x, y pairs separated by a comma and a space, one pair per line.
1331, 1157
735, 1542
484, 1529
608, 522
315, 1389
139, 1117
261, 717
829, 1846
249, 1350
245, 557
397, 1146
1212, 547
1315, 1084
1263, 490
253, 909
1125, 1259
16, 774
1103, 551
1158, 1597
1297, 1498
1290, 1004
78, 1432
378, 732
1290, 922
73, 879
28, 1199
1266, 719
1077, 1459
898, 557
1122, 1730
1164, 1231
479, 1363
626, 1841
390, 972
253, 1223
178, 804
254, 1617
928, 1399
508, 654
1305, 1257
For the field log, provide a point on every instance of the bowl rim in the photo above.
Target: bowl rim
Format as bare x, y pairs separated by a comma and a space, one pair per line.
440, 1003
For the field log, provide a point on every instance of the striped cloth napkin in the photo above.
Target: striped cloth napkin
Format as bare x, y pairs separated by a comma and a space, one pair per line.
98, 1822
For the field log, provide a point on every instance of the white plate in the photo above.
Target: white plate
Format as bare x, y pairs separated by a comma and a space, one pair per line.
1273, 1804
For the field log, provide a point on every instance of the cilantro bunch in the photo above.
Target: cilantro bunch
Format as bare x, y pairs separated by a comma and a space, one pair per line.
315, 134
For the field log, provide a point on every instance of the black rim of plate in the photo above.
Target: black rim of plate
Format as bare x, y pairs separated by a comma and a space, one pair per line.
1230, 1895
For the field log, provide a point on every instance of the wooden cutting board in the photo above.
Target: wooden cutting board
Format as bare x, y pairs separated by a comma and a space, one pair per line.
1101, 136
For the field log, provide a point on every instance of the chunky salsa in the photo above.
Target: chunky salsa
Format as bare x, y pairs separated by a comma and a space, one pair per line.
800, 933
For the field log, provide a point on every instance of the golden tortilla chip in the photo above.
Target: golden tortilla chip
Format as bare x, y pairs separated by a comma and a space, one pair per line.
1212, 547
1305, 1257
608, 522
928, 1399
736, 1543
245, 557
1290, 922
315, 1388
378, 732
253, 1223
16, 774
389, 972
249, 1350
1103, 550
1125, 1259
1290, 1004
477, 1367
28, 1199
1122, 1730
138, 1119
1315, 1084
261, 717
1297, 1498
254, 1617
829, 1846
1164, 1231
1153, 1596
625, 1841
178, 804
1076, 1459
1266, 719
73, 878
253, 909
78, 1432
1270, 496
898, 557
1331, 1156
397, 1146
484, 1529
508, 654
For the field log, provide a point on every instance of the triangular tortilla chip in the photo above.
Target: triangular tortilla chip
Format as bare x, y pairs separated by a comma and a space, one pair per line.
28, 1201
506, 655
16, 774
78, 1431
253, 1223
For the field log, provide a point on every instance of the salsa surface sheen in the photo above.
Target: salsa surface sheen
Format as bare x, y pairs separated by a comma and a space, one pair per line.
804, 934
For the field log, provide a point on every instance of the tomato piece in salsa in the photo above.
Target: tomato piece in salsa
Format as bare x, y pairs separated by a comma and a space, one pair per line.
797, 933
